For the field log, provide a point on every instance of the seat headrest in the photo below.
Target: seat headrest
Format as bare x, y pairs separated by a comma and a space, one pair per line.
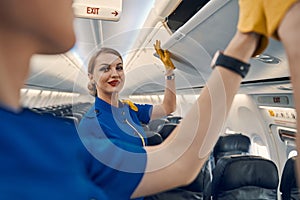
154, 124
166, 129
231, 145
174, 119
233, 172
153, 138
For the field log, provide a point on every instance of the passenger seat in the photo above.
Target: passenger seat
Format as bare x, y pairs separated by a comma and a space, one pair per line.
197, 190
244, 177
288, 185
233, 144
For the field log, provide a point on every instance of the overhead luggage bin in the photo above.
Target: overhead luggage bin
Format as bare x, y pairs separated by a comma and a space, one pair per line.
194, 43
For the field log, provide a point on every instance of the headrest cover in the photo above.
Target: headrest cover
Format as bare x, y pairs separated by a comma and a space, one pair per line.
166, 129
233, 172
231, 144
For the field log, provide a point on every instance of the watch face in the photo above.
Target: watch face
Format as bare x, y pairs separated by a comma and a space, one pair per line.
171, 77
213, 61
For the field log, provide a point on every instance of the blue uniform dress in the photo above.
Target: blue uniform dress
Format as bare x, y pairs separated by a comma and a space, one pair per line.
42, 157
121, 125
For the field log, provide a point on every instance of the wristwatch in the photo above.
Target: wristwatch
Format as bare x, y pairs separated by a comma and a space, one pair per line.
230, 63
170, 77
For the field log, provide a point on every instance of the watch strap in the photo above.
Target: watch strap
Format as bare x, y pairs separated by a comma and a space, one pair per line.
231, 63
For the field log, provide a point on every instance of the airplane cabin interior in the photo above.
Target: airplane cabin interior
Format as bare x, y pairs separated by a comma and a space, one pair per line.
261, 123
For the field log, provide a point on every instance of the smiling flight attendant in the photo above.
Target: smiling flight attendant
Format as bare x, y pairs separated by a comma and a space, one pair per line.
106, 73
120, 120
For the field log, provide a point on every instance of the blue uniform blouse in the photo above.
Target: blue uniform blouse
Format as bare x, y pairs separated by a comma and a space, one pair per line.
122, 125
42, 157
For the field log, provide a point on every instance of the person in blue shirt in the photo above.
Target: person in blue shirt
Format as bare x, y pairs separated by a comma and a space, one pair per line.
43, 157
122, 120
107, 78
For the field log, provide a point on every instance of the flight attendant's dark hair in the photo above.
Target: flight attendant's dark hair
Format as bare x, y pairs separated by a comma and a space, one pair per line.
92, 85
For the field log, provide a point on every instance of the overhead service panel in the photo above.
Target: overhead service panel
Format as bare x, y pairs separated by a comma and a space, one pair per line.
98, 9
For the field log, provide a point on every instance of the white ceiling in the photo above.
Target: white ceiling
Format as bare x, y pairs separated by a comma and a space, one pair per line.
140, 24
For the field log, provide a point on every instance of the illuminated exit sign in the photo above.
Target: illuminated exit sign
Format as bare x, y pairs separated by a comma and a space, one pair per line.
98, 9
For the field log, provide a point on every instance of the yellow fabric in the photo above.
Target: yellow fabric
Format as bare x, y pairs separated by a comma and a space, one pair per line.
262, 17
131, 104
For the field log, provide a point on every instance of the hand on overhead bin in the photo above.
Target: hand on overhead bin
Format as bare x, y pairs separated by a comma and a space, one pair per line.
164, 56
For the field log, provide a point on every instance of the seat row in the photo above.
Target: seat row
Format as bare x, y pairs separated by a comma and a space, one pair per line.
70, 112
159, 129
231, 173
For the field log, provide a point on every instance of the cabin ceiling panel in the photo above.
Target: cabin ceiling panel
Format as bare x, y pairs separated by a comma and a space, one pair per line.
86, 37
278, 87
143, 51
56, 72
150, 79
93, 34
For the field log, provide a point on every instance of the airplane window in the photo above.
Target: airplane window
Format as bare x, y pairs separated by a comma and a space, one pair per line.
290, 148
259, 148
288, 136
292, 153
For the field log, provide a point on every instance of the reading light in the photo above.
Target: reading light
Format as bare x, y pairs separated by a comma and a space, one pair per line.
265, 58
